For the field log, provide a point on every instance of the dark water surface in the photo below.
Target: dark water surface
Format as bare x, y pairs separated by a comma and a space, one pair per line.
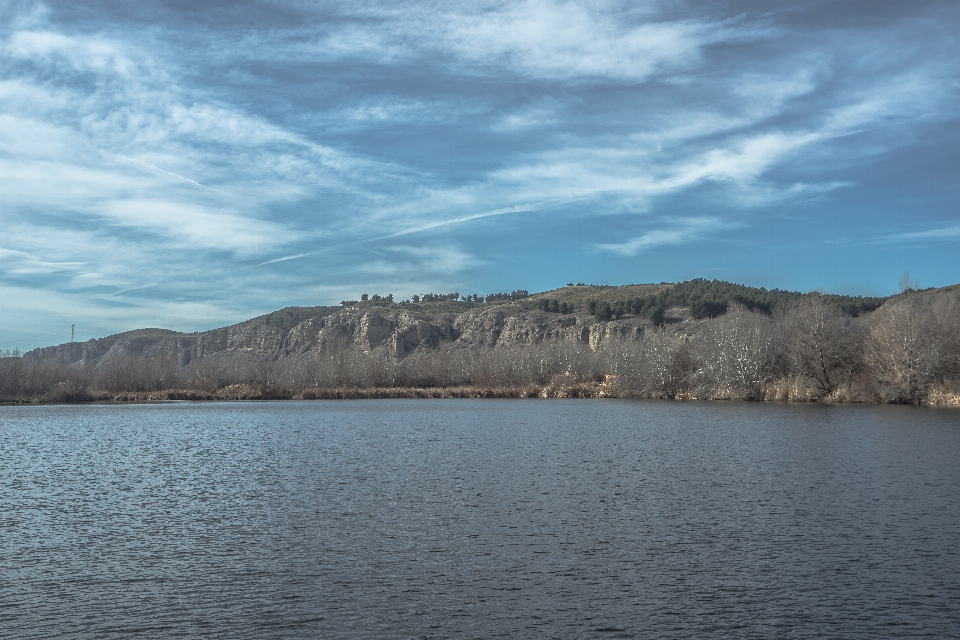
491, 518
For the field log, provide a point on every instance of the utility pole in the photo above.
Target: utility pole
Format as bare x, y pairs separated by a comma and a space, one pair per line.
71, 332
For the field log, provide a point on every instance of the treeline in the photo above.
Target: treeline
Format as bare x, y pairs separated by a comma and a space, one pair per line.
648, 306
387, 300
712, 298
349, 367
374, 300
433, 297
908, 351
555, 306
519, 294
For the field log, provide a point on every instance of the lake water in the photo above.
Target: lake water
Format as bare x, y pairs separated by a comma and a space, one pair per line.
479, 519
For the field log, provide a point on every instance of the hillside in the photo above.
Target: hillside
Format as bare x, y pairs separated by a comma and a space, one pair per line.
399, 328
697, 338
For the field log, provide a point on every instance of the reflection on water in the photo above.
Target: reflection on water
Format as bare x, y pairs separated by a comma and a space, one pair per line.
482, 518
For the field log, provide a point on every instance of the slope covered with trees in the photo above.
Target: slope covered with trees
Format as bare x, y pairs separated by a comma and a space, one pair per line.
697, 339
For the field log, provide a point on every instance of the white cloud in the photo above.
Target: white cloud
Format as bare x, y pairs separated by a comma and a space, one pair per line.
569, 40
89, 53
149, 168
440, 260
135, 156
17, 262
765, 94
945, 232
394, 110
742, 161
386, 111
206, 122
536, 115
760, 193
949, 233
640, 173
195, 226
685, 230
540, 38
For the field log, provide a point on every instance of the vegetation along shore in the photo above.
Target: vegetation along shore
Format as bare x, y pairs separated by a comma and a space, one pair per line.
698, 339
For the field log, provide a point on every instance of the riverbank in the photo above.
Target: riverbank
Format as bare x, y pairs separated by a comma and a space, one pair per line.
779, 391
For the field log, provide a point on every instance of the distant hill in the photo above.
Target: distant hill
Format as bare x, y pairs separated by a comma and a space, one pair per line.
575, 312
697, 339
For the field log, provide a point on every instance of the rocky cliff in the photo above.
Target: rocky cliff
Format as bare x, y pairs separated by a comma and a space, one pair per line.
390, 330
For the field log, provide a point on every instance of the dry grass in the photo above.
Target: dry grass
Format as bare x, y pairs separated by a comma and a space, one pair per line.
247, 392
943, 396
562, 386
779, 391
789, 390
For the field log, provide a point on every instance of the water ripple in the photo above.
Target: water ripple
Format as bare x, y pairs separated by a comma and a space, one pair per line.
479, 519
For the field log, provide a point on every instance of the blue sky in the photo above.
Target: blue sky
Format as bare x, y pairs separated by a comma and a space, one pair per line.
192, 164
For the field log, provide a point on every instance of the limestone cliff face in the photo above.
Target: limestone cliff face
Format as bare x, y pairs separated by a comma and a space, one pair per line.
539, 327
397, 332
412, 333
69, 352
602, 332
391, 331
307, 335
142, 342
497, 328
480, 327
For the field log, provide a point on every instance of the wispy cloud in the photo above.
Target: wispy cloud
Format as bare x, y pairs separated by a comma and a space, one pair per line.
403, 264
538, 38
295, 256
418, 227
388, 111
950, 233
567, 40
82, 53
422, 144
196, 226
149, 168
679, 232
540, 114
17, 262
440, 260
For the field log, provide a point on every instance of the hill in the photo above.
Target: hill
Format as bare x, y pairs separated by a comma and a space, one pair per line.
698, 338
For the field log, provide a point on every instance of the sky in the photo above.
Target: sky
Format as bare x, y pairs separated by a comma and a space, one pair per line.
188, 165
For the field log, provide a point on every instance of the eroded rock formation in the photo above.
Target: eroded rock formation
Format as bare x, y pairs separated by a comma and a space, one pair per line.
393, 331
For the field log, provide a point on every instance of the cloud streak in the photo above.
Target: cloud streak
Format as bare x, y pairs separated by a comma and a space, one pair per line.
680, 232
942, 234
155, 162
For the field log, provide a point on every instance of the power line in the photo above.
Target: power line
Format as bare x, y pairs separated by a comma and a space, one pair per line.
95, 333
62, 332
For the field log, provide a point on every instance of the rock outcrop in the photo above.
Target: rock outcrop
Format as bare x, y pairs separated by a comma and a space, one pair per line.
393, 331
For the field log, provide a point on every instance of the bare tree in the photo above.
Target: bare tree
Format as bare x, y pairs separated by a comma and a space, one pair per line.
656, 366
906, 284
734, 353
912, 344
823, 344
132, 372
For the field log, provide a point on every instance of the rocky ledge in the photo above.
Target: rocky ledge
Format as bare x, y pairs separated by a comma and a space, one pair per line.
387, 330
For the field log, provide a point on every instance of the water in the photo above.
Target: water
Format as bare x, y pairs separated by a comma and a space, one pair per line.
435, 519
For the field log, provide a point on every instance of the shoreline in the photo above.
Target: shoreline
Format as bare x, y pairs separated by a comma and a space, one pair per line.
239, 392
